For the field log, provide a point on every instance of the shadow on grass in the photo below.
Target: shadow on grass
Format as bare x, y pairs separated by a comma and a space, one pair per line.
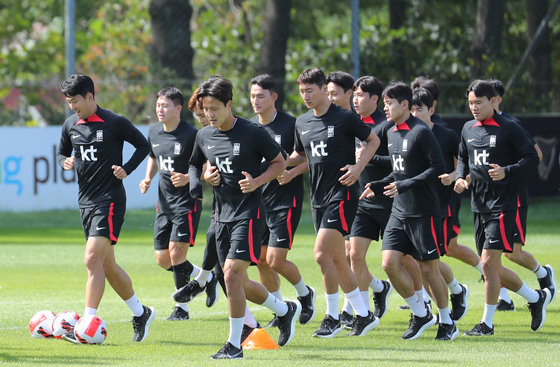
45, 360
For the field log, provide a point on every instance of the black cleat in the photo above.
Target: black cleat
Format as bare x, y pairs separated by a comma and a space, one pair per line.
178, 314
287, 323
247, 330
228, 352
188, 292
307, 307
346, 319
381, 299
447, 332
71, 337
363, 324
548, 282
459, 303
503, 305
273, 322
480, 329
212, 293
538, 309
418, 325
141, 324
329, 327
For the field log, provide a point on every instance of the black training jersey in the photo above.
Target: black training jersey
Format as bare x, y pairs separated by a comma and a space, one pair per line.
380, 165
417, 163
242, 148
437, 119
276, 196
500, 141
97, 143
172, 152
449, 143
328, 142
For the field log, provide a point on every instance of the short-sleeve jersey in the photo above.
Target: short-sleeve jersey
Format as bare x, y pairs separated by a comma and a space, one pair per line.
276, 196
97, 143
328, 142
241, 148
172, 152
449, 143
499, 141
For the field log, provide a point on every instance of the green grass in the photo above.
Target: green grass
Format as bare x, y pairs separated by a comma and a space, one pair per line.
41, 268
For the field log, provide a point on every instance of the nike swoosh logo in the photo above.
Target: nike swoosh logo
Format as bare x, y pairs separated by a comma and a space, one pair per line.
155, 145
331, 220
99, 228
493, 241
431, 251
470, 140
305, 132
281, 239
389, 144
75, 136
181, 234
239, 251
211, 146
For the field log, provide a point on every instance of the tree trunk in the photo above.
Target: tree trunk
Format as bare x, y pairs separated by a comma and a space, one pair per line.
397, 17
276, 28
487, 39
540, 67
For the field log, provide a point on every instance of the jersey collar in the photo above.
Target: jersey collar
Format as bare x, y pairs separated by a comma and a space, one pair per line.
368, 120
402, 126
92, 118
487, 122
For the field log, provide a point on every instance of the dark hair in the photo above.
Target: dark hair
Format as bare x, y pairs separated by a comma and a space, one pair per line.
312, 76
77, 84
422, 96
482, 88
429, 84
173, 94
498, 86
266, 81
216, 87
369, 84
400, 91
342, 79
193, 101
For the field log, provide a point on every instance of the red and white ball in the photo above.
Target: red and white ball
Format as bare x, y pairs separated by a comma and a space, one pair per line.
40, 325
64, 322
90, 329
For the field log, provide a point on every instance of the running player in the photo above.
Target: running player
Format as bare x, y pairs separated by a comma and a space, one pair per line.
432, 86
92, 140
339, 89
325, 138
496, 153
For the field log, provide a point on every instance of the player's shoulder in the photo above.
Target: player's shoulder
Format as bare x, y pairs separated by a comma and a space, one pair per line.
284, 117
305, 117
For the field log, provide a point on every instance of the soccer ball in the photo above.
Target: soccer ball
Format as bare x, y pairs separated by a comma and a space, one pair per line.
40, 325
90, 329
64, 322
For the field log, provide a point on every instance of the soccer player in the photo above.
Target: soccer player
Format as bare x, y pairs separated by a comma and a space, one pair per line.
544, 274
325, 138
282, 199
177, 213
91, 141
236, 147
432, 86
413, 227
339, 89
496, 153
373, 213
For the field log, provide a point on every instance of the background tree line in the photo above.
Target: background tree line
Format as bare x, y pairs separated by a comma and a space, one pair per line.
134, 47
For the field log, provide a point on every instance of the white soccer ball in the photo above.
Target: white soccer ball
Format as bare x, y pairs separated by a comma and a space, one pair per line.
40, 325
64, 322
91, 329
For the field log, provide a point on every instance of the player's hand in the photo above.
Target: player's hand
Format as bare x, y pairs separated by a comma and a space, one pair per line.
212, 175
119, 172
179, 179
368, 192
496, 173
351, 175
359, 151
247, 184
391, 190
69, 163
144, 185
285, 177
446, 179
461, 185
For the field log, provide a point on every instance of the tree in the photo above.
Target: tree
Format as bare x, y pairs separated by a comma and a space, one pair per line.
487, 41
540, 67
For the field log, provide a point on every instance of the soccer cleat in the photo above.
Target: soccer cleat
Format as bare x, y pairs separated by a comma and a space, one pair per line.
178, 314
141, 324
447, 332
346, 319
247, 330
418, 325
273, 322
212, 293
188, 292
229, 351
363, 324
329, 327
504, 305
538, 309
70, 337
459, 303
287, 323
381, 299
548, 282
480, 329
307, 306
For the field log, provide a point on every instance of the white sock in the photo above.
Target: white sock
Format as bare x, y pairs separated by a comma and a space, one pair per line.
478, 267
184, 306
445, 316
277, 306
454, 287
332, 305
301, 288
235, 329
277, 294
347, 306
135, 306
196, 270
416, 305
540, 271
249, 318
530, 295
355, 299
90, 311
376, 285
203, 277
365, 298
425, 295
488, 315
420, 295
504, 295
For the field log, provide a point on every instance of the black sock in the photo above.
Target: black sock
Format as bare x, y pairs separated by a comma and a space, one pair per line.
182, 274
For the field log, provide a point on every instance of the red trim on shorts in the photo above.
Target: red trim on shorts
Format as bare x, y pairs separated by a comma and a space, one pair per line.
518, 202
503, 233
111, 235
347, 194
258, 213
191, 240
445, 233
519, 226
295, 203
342, 218
456, 229
289, 225
449, 211
434, 235
251, 249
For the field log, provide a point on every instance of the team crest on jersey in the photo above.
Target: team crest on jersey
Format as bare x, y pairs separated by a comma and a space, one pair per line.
236, 148
492, 141
405, 145
177, 149
278, 139
99, 137
330, 131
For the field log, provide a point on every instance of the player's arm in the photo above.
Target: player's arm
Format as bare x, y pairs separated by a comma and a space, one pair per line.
64, 155
296, 158
462, 169
289, 174
151, 170
524, 149
275, 167
353, 171
448, 178
196, 162
132, 135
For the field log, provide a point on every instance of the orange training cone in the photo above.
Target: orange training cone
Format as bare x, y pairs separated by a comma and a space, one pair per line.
259, 339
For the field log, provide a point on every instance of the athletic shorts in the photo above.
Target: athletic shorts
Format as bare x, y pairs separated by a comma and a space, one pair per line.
103, 220
337, 215
370, 223
450, 229
281, 226
417, 237
494, 231
240, 240
177, 227
520, 225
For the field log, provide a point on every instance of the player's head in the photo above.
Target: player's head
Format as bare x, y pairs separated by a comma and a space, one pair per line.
429, 84
216, 95
422, 104
397, 97
500, 91
169, 103
195, 106
367, 93
339, 88
481, 97
313, 87
79, 91
264, 93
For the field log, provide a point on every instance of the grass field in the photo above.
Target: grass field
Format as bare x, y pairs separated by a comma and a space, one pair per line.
41, 268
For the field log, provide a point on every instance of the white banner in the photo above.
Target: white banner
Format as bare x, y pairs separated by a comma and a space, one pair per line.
31, 180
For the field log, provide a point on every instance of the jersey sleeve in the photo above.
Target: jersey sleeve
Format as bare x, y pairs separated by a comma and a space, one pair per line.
359, 128
64, 146
196, 162
298, 145
462, 169
525, 151
151, 153
268, 147
132, 135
